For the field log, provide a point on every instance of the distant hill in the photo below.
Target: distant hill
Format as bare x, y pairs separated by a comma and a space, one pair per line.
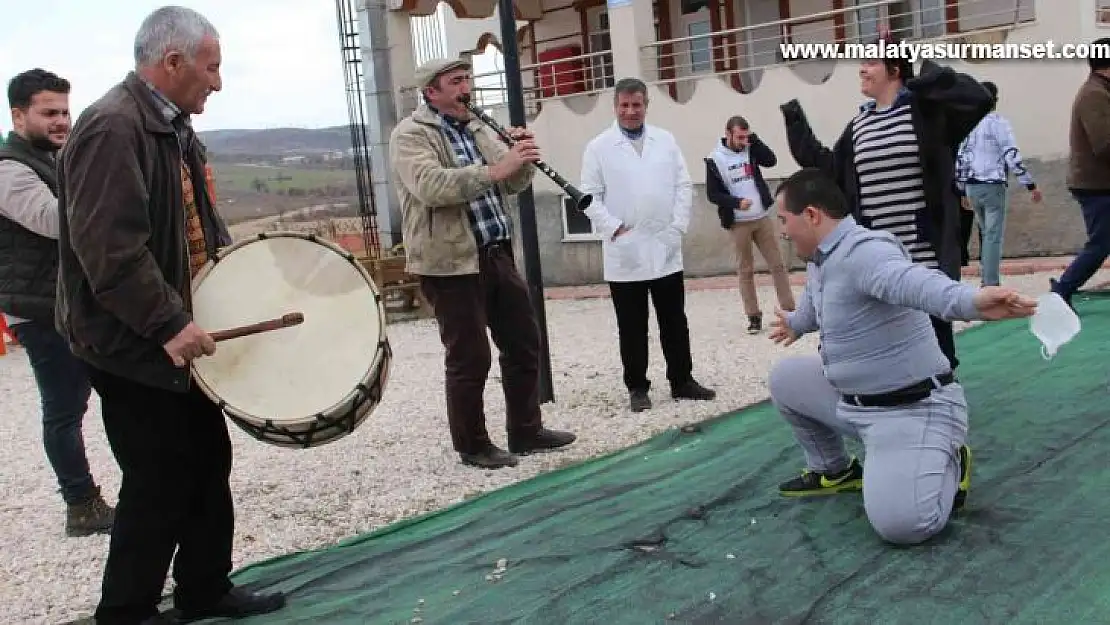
277, 141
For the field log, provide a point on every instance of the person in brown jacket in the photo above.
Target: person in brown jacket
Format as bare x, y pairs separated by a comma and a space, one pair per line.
454, 178
1089, 173
136, 223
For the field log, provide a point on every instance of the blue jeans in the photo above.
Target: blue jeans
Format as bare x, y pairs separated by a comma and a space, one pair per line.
1096, 215
64, 390
988, 201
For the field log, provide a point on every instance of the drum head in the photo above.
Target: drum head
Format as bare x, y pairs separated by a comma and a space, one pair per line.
287, 375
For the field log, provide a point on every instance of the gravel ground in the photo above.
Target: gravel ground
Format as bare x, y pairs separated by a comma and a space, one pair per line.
398, 464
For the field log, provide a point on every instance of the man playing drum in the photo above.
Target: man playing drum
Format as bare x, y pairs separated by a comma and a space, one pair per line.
137, 223
453, 176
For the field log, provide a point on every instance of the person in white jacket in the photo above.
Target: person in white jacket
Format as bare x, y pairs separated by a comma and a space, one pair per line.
642, 196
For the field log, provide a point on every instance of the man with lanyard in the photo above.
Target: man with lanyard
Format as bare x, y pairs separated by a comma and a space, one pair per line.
453, 177
28, 282
880, 376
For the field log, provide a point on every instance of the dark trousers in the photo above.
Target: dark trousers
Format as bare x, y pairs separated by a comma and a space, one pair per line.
496, 298
1096, 216
967, 224
947, 338
175, 455
64, 393
668, 296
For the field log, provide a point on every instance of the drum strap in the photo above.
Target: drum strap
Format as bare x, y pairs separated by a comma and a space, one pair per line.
194, 232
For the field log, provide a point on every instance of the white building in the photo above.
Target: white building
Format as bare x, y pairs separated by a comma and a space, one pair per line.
707, 60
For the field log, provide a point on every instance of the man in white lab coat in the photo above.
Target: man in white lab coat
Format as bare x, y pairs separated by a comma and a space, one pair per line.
642, 195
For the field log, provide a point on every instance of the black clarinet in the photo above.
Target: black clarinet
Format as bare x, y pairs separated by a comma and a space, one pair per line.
581, 200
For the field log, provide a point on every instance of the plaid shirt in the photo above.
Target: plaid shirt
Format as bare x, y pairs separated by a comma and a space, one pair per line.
172, 114
487, 212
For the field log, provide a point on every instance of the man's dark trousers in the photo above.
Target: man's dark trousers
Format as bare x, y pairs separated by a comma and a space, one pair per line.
175, 455
64, 390
630, 301
496, 298
1096, 216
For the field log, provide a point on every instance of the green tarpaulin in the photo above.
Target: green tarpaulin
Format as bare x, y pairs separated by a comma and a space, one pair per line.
688, 528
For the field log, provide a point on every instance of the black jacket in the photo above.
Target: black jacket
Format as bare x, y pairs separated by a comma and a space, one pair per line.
945, 106
717, 190
125, 287
28, 260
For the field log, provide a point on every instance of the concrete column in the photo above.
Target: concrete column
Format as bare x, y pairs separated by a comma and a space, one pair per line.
631, 25
386, 45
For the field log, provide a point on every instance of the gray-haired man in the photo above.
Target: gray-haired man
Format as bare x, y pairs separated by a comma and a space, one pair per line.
137, 223
881, 376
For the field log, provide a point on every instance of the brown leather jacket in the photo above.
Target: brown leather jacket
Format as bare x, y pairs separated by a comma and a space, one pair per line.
124, 285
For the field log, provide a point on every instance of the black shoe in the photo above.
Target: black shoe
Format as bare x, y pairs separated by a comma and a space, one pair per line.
639, 401
755, 324
813, 483
492, 458
544, 439
693, 390
160, 619
237, 603
965, 478
1054, 286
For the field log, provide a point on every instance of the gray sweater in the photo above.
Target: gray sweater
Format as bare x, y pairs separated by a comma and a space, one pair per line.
871, 304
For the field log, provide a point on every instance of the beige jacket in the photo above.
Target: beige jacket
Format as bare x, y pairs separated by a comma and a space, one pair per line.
435, 192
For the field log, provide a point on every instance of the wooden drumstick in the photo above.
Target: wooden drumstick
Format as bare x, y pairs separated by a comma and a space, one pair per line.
285, 321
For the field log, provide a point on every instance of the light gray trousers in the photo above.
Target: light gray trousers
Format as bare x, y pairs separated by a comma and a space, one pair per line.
911, 464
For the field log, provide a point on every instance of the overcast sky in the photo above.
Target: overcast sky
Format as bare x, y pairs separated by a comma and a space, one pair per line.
281, 60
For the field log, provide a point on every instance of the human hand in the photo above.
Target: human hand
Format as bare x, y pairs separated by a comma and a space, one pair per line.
1037, 197
520, 154
965, 202
995, 302
189, 344
745, 204
520, 134
780, 330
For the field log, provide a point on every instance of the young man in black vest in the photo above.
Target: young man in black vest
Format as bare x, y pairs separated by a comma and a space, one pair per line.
28, 278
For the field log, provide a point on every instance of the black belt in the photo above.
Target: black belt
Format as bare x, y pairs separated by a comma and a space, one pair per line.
906, 395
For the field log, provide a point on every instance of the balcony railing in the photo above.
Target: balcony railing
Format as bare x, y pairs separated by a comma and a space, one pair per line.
574, 75
742, 52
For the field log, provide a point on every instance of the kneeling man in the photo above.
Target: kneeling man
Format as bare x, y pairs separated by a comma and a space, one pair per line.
880, 376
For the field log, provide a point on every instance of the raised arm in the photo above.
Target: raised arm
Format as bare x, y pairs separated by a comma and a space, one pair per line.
883, 269
962, 100
761, 154
806, 149
108, 225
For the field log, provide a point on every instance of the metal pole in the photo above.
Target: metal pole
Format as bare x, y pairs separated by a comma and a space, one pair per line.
526, 201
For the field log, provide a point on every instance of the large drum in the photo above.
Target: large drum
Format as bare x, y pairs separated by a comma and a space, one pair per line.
301, 386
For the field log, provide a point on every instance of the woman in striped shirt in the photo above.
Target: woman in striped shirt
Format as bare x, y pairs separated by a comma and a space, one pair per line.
895, 160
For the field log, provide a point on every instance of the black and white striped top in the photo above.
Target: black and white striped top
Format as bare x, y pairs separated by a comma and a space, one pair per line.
888, 167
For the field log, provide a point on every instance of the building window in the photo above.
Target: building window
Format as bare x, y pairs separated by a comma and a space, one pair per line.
1102, 16
699, 48
576, 225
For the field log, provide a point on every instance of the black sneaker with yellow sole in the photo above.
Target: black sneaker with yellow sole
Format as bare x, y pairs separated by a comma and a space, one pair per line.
812, 483
965, 478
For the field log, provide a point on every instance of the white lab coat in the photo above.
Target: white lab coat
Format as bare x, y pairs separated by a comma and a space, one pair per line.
650, 193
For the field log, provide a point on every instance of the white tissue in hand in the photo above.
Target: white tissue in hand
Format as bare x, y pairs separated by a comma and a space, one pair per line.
1054, 323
